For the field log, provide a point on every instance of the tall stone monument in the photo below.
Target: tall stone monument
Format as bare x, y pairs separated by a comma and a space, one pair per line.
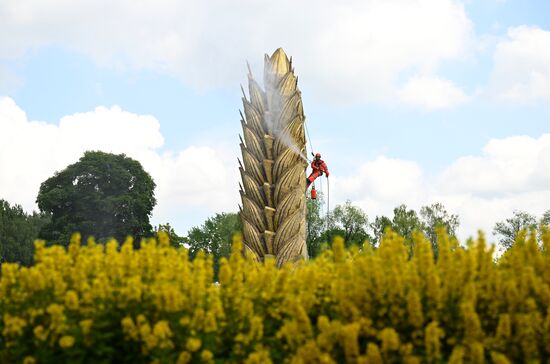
273, 210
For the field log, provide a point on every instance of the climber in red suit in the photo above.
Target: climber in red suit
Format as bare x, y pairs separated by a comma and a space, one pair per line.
319, 167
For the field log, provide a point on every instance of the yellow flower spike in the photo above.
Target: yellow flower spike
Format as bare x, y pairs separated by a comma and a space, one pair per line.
13, 326
197, 321
90, 242
390, 340
338, 249
66, 342
504, 330
432, 341
185, 321
472, 325
129, 241
29, 360
224, 274
193, 344
150, 342
209, 269
457, 355
162, 330
57, 318
75, 239
499, 358
546, 335
412, 360
184, 357
71, 300
40, 333
350, 338
10, 273
86, 326
207, 356
414, 310
39, 247
259, 356
210, 322
129, 328
164, 239
74, 245
237, 241
111, 248
373, 354
476, 355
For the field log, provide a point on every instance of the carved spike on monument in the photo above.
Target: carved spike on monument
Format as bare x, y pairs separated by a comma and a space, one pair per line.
268, 192
269, 217
268, 142
268, 169
269, 236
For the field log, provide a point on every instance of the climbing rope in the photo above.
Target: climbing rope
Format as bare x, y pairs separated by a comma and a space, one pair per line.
320, 179
321, 187
328, 202
309, 140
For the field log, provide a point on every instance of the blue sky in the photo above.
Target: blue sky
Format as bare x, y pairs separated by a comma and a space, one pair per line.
418, 87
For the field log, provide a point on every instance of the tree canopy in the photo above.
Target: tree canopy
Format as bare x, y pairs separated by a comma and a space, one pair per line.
405, 221
214, 236
103, 194
507, 230
435, 216
18, 231
346, 220
352, 223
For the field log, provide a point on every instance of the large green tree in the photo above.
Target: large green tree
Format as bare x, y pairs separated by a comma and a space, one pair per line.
435, 216
379, 226
507, 230
18, 230
404, 222
545, 219
350, 222
214, 236
102, 195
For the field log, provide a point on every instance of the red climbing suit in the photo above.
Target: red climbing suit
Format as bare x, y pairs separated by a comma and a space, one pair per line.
319, 167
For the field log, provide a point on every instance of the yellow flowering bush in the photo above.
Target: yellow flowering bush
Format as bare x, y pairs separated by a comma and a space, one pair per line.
109, 303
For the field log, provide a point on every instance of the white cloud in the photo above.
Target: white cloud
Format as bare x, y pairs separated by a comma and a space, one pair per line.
350, 51
198, 178
377, 184
431, 93
522, 66
510, 174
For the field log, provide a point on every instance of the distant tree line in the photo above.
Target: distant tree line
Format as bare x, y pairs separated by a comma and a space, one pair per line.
353, 224
111, 196
508, 229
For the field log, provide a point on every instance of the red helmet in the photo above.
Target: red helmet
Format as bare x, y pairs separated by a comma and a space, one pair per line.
318, 155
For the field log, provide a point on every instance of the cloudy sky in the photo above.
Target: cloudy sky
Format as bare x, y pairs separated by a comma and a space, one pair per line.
410, 101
